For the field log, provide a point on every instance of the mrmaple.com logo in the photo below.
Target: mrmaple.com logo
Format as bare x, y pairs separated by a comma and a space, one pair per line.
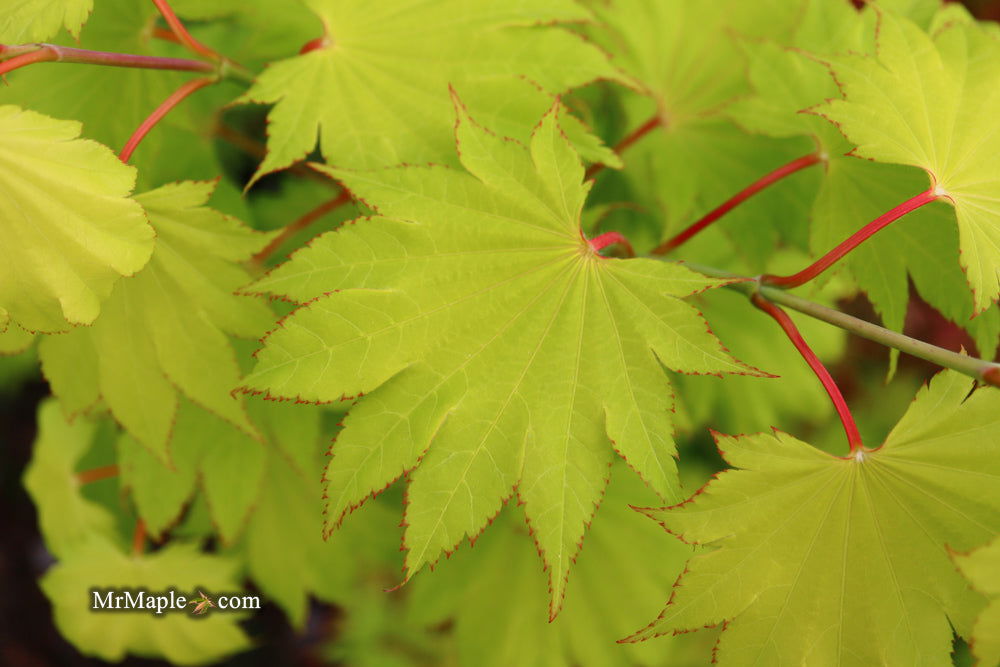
127, 599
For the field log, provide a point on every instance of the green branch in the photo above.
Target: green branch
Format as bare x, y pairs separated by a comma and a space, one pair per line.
980, 369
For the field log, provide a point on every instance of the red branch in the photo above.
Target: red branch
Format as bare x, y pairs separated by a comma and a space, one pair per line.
599, 243
66, 54
97, 474
788, 326
139, 538
992, 376
175, 98
740, 197
852, 242
183, 35
625, 143
293, 228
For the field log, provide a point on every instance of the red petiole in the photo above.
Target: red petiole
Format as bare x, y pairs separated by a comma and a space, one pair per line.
740, 197
852, 242
175, 98
183, 36
295, 227
599, 243
625, 143
97, 474
788, 326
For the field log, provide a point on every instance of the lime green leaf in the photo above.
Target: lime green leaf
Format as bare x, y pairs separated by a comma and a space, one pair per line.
843, 560
15, 340
494, 592
687, 72
23, 21
164, 331
982, 568
928, 102
377, 93
67, 223
175, 636
496, 348
67, 518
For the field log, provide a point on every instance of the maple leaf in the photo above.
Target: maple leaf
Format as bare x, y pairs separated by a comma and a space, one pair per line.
982, 568
24, 21
827, 560
15, 340
927, 101
494, 346
164, 331
99, 565
68, 226
377, 93
66, 517
493, 595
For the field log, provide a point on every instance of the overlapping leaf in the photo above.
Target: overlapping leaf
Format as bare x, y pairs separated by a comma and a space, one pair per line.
826, 560
377, 93
67, 519
698, 158
493, 593
927, 101
68, 228
982, 568
788, 82
494, 347
164, 331
23, 21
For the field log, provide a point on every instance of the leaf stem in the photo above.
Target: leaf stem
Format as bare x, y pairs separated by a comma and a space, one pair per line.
182, 33
97, 474
139, 538
67, 54
599, 243
293, 228
852, 242
625, 143
746, 193
980, 369
788, 326
175, 98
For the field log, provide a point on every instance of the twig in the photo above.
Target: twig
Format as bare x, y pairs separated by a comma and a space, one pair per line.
980, 369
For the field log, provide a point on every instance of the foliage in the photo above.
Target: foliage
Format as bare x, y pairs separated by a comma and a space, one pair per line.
521, 238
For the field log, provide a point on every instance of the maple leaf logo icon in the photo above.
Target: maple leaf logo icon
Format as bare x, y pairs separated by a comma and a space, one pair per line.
202, 603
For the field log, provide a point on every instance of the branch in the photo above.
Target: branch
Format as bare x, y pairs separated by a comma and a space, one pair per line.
980, 369
66, 54
625, 143
183, 36
294, 228
175, 98
788, 326
852, 242
740, 197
